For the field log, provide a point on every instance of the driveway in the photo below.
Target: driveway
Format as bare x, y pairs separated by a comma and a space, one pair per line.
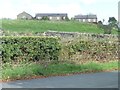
92, 80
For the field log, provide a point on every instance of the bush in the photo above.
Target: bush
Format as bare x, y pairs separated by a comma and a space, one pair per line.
29, 49
45, 18
82, 51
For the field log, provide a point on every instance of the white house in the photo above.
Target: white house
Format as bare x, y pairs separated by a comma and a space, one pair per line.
51, 16
86, 18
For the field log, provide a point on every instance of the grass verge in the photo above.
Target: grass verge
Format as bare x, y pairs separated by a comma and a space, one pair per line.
26, 71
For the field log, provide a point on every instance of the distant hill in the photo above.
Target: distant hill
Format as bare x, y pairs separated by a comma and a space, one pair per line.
42, 26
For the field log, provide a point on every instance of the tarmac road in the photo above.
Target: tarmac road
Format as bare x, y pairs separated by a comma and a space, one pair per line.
92, 80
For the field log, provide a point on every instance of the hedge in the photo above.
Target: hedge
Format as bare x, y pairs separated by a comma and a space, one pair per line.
85, 50
34, 48
29, 48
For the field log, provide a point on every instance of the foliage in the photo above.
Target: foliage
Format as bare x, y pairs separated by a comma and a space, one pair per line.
107, 29
18, 49
111, 27
100, 24
83, 50
19, 54
112, 22
45, 18
67, 19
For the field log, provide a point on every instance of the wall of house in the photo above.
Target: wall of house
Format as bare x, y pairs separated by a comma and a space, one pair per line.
53, 18
39, 18
24, 16
93, 20
87, 20
57, 18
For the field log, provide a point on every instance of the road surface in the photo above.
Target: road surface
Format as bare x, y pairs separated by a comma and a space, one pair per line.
92, 80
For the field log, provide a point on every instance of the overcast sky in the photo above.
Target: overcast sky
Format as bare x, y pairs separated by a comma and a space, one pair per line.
102, 8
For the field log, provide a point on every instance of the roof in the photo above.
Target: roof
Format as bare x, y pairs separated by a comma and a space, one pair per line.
85, 17
51, 14
24, 13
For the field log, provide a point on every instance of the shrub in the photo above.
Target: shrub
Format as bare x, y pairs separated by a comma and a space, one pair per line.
45, 18
30, 48
83, 50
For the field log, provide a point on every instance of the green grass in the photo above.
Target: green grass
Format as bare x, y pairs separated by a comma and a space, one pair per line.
41, 26
30, 70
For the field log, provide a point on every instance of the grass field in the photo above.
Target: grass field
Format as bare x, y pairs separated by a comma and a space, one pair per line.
42, 26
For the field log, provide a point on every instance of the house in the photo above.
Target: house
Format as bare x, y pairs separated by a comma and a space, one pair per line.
24, 15
51, 16
86, 18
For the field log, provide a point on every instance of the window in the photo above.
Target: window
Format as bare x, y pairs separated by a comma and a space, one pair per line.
83, 20
89, 20
63, 17
80, 20
39, 17
94, 20
58, 18
50, 18
24, 17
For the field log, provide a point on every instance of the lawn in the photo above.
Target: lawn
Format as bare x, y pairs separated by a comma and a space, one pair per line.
42, 26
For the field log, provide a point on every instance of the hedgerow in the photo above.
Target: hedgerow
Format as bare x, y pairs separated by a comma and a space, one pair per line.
86, 50
29, 48
32, 48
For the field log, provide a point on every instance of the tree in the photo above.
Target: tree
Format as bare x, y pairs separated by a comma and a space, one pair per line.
100, 24
45, 18
66, 18
107, 28
103, 20
72, 18
112, 21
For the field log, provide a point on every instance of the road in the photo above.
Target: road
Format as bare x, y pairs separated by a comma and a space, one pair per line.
92, 80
